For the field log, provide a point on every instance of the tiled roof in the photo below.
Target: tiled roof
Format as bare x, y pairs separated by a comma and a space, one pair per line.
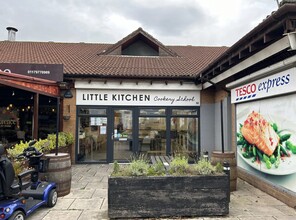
134, 34
86, 59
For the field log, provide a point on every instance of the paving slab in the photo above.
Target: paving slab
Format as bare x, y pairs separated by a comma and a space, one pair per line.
88, 200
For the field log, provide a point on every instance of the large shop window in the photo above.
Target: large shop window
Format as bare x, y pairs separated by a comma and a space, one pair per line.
117, 133
47, 116
92, 144
152, 131
16, 116
184, 132
183, 137
122, 134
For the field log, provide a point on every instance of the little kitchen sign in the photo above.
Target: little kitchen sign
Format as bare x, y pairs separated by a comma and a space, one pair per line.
137, 98
277, 84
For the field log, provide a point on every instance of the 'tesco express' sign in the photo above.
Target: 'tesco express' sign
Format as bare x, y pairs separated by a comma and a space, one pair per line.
279, 83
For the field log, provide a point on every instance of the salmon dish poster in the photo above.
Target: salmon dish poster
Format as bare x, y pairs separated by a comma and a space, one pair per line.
266, 139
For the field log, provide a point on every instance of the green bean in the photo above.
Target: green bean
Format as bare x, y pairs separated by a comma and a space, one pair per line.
251, 149
272, 159
283, 150
275, 127
277, 162
245, 148
247, 155
278, 150
291, 146
284, 137
254, 151
259, 154
265, 158
268, 164
241, 141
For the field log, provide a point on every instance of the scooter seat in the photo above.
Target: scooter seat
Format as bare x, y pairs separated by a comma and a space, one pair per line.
15, 187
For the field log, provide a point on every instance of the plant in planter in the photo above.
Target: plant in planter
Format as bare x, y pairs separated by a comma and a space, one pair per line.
65, 139
142, 190
42, 145
138, 167
19, 166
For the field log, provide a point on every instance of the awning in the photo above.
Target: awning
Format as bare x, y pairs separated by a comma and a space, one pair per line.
32, 84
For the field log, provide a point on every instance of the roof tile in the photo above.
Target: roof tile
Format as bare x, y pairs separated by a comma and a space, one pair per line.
82, 59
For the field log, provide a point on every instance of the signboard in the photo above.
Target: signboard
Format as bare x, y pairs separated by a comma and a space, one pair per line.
280, 83
45, 71
8, 118
137, 97
266, 139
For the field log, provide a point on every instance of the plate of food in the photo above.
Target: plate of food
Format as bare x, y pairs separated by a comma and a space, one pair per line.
266, 147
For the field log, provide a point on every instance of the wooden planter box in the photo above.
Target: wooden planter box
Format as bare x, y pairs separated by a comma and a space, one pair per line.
168, 196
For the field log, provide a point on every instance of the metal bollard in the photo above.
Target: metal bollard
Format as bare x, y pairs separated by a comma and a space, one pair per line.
226, 169
206, 155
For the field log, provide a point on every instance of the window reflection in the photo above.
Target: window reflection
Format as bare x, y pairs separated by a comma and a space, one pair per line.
92, 111
92, 142
123, 125
152, 111
152, 139
184, 112
184, 136
122, 134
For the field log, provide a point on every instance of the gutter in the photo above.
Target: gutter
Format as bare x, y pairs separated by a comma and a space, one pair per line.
277, 67
274, 18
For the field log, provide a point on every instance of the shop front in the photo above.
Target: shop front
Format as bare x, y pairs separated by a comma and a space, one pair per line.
28, 101
17, 115
266, 130
116, 124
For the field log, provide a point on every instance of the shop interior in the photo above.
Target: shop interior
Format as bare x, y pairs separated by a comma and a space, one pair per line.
150, 133
16, 115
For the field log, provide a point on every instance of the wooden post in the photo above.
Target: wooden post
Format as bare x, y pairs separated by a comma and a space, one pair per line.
36, 116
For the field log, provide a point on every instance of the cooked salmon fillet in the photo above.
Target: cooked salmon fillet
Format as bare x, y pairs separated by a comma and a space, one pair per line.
256, 130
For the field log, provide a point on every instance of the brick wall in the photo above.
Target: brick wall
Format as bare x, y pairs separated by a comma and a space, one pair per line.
69, 109
211, 95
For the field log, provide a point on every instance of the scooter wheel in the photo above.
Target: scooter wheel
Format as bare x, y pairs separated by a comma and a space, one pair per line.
17, 215
52, 198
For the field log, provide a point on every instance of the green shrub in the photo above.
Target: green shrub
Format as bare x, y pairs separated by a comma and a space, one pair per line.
204, 167
19, 166
43, 145
156, 169
137, 167
179, 166
116, 167
219, 168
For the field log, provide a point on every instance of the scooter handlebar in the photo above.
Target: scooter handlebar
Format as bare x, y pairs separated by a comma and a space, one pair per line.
30, 152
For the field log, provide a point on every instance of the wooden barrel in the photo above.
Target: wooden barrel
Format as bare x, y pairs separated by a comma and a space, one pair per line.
59, 171
219, 157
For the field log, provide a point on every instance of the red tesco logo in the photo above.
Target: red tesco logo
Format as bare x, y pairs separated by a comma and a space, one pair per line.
246, 90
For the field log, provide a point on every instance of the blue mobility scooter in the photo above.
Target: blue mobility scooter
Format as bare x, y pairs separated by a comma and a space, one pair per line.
22, 196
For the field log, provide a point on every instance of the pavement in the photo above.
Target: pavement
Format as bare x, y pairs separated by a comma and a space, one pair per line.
88, 200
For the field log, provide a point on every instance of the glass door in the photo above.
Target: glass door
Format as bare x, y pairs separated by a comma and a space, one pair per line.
185, 132
184, 136
92, 135
152, 131
122, 134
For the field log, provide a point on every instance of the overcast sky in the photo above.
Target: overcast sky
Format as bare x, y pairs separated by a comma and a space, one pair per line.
172, 22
